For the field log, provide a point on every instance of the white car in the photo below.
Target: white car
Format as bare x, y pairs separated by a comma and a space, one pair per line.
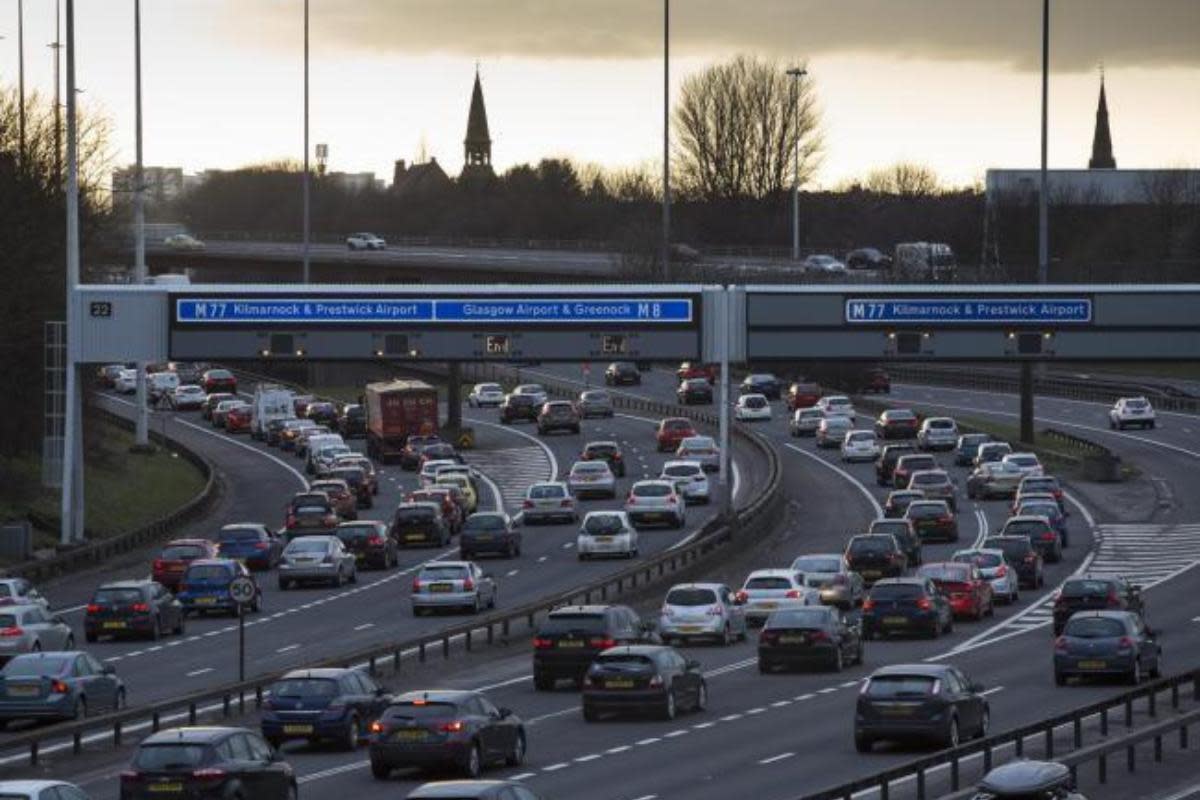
805, 421
824, 263
836, 405
938, 433
485, 394
689, 478
20, 592
549, 501
655, 502
182, 242
126, 381
1131, 411
702, 449
860, 446
534, 390
160, 385
752, 408
593, 478
365, 241
41, 790
187, 397
453, 584
429, 470
606, 533
701, 611
832, 431
995, 570
1028, 463
768, 590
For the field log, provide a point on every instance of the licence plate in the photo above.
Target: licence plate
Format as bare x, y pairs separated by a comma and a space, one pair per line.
413, 537
623, 683
652, 515
569, 643
114, 625
1093, 664
897, 711
483, 537
441, 587
23, 691
297, 729
768, 605
205, 601
156, 788
793, 639
895, 620
690, 628
418, 735
604, 539
871, 573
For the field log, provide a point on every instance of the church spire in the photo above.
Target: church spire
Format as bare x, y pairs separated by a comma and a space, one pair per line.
477, 147
1102, 154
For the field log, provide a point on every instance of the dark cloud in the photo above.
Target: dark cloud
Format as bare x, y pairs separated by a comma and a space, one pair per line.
1121, 32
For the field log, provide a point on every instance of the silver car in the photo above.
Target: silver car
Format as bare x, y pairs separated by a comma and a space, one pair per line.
606, 533
592, 478
453, 584
995, 570
702, 449
534, 390
805, 421
936, 484
547, 502
24, 629
20, 592
485, 394
831, 431
655, 502
317, 558
701, 611
769, 590
595, 403
690, 480
830, 575
938, 433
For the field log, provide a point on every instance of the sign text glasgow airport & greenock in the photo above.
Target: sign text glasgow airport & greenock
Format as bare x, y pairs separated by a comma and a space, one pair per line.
351, 311
969, 311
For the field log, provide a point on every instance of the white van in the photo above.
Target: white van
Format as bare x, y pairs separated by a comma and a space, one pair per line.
160, 385
271, 402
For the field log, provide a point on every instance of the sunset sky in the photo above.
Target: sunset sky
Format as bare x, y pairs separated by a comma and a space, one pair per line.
950, 83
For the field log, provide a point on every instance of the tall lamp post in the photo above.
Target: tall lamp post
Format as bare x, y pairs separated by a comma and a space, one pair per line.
142, 429
21, 80
796, 74
666, 221
306, 175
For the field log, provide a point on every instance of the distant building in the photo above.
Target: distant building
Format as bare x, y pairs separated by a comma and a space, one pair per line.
161, 184
351, 181
419, 179
477, 146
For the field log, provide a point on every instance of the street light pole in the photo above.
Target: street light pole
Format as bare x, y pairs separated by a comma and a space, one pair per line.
21, 80
666, 222
142, 435
1043, 208
71, 507
56, 46
306, 175
797, 73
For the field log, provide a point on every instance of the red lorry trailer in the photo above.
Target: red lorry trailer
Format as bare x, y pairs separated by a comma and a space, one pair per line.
395, 411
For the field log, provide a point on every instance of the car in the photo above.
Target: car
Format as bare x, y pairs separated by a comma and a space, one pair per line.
322, 412
933, 519
937, 485
322, 705
462, 483
365, 241
489, 532
419, 523
355, 477
1040, 532
251, 543
1031, 506
995, 569
216, 381
885, 465
217, 416
1106, 643
453, 584
591, 479
652, 679
752, 408
475, 790
868, 258
238, 418
875, 381
458, 469
352, 421
310, 512
293, 430
126, 381
875, 556
40, 790
831, 576
534, 390
483, 395
427, 475
516, 407
766, 591
896, 423
655, 501
967, 447
32, 628
909, 463
765, 384
671, 431
58, 685
991, 451
805, 421
994, 479
802, 394
369, 542
445, 728
168, 566
836, 405
694, 390
622, 373
1033, 497
693, 611
937, 433
274, 430
963, 585
805, 636
1022, 555
942, 706
1044, 483
594, 403
205, 587
547, 501
832, 431
1028, 463
207, 761
704, 450
300, 404
911, 605
822, 263
1092, 592
606, 533
693, 369
901, 528
571, 636
20, 592
106, 376
609, 452
138, 608
1024, 779
859, 446
414, 449
690, 480
160, 387
898, 501
1129, 411
444, 498
186, 398
182, 242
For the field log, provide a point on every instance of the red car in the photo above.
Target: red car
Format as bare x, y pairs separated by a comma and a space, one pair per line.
803, 395
450, 509
897, 423
300, 404
219, 380
969, 594
237, 420
692, 369
672, 431
173, 559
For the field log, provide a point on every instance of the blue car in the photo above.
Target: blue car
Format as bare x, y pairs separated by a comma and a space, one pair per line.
205, 587
1109, 643
58, 685
323, 705
250, 543
1051, 511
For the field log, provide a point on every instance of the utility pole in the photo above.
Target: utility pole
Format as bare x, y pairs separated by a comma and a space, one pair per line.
666, 221
796, 73
56, 46
307, 275
72, 484
21, 81
142, 437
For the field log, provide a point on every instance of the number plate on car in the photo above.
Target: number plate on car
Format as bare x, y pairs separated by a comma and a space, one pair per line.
23, 691
871, 573
293, 729
1093, 664
793, 639
413, 537
568, 643
157, 788
114, 625
620, 683
895, 620
415, 735
441, 587
205, 601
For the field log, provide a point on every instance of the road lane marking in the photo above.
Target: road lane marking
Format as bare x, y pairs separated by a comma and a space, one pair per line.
194, 673
288, 648
773, 759
878, 509
364, 626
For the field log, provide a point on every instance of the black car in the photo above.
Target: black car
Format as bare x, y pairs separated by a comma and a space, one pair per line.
895, 506
1107, 643
1041, 534
419, 524
886, 463
1020, 553
315, 705
516, 407
867, 258
207, 762
906, 605
643, 678
323, 413
473, 790
570, 637
352, 421
816, 635
897, 423
414, 446
904, 533
765, 384
489, 532
694, 390
875, 556
936, 703
460, 729
1095, 592
132, 608
275, 431
440, 451
622, 373
605, 451
370, 542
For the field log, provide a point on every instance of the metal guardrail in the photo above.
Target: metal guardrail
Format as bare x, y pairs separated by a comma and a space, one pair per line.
1043, 731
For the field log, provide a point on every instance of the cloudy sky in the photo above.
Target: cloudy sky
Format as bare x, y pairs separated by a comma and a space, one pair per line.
951, 83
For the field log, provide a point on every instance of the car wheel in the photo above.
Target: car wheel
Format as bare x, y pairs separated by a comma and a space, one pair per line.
589, 713
79, 710
337, 580
492, 601
178, 629
702, 698
284, 584
727, 636
669, 710
90, 638
985, 723
1135, 673
517, 756
119, 703
350, 735
380, 771
354, 575
473, 763
838, 662
69, 644
863, 744
952, 737
1060, 679
156, 629
861, 654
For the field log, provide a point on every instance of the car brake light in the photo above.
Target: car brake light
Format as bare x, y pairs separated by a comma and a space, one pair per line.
540, 643
868, 604
1113, 600
140, 608
742, 596
376, 726
130, 776
209, 774
1124, 643
416, 586
1002, 570
158, 564
656, 682
672, 499
565, 503
603, 643
818, 636
261, 545
374, 539
924, 603
468, 585
93, 608
768, 636
946, 519
58, 687
12, 631
1059, 599
792, 594
632, 499
1048, 536
1060, 644
527, 504
715, 611
457, 726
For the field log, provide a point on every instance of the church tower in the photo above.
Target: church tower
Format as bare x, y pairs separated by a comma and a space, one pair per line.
477, 147
1102, 154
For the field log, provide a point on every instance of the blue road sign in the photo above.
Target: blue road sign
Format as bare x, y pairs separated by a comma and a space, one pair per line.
969, 311
566, 310
306, 310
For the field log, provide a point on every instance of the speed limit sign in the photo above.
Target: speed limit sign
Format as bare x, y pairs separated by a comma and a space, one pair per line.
242, 590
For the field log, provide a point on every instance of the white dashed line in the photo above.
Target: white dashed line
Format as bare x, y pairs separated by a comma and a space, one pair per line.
651, 740
779, 757
364, 626
556, 767
287, 648
674, 734
587, 758
196, 672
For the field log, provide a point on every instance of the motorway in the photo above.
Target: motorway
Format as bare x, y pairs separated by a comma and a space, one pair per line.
780, 735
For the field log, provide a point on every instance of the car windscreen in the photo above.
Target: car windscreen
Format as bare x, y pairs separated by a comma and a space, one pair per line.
920, 510
900, 685
1137, 404
934, 479
240, 535
945, 573
597, 468
169, 756
32, 666
872, 544
800, 618
861, 436
420, 711
755, 402
601, 449
691, 597
1023, 527
413, 516
181, 552
652, 490
353, 477
306, 546
896, 528
1023, 461
572, 623
768, 582
626, 661
941, 424
894, 416
1085, 588
484, 522
546, 492
896, 591
1047, 510
1094, 628
914, 463
680, 471
208, 572
313, 511
448, 573
603, 524
817, 564
982, 560
115, 597
354, 533
1014, 549
305, 687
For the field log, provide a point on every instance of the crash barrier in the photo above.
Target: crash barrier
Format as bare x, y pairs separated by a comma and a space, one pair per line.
90, 554
761, 512
1076, 738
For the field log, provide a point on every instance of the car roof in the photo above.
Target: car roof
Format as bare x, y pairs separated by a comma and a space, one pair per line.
584, 609
653, 482
636, 649
991, 551
132, 583
323, 672
1026, 518
1105, 614
697, 585
458, 564
681, 462
209, 562
456, 789
601, 443
909, 581
926, 670
600, 513
772, 572
201, 734
1025, 777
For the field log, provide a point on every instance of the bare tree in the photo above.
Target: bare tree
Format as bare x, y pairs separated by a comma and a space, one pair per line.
904, 178
737, 124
